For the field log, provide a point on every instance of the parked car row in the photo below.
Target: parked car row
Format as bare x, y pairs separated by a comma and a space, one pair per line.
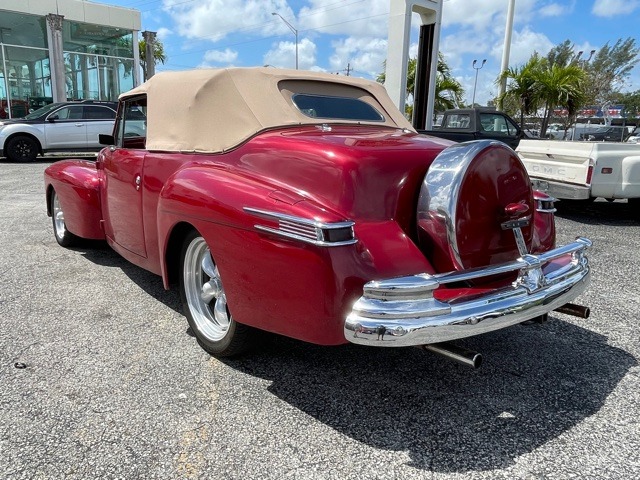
66, 126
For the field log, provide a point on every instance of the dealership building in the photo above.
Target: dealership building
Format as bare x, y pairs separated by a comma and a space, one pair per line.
58, 50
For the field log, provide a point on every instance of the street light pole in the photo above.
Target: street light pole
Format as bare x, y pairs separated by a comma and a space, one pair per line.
295, 32
477, 69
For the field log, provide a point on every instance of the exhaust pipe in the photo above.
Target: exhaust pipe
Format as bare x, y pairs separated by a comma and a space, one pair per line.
456, 353
575, 310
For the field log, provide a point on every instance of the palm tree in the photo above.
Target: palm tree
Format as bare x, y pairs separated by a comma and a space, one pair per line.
559, 86
522, 88
448, 92
158, 54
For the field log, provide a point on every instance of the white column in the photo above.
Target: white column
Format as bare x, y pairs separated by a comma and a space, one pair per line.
56, 57
398, 47
136, 59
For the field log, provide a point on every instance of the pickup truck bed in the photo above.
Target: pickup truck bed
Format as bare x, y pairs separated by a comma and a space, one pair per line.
583, 170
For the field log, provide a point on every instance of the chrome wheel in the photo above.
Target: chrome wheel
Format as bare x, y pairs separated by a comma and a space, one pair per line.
204, 293
63, 236
59, 227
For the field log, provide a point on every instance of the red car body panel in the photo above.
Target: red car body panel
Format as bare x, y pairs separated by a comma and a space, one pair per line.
371, 175
78, 187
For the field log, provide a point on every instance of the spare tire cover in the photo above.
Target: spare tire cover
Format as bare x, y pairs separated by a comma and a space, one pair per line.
469, 194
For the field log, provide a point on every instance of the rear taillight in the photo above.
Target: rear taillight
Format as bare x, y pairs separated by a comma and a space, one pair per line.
592, 164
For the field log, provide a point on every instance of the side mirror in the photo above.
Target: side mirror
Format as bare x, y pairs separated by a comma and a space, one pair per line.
53, 118
104, 139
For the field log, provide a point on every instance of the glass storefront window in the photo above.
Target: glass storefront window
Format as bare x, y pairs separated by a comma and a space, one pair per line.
23, 30
27, 80
96, 77
97, 39
24, 72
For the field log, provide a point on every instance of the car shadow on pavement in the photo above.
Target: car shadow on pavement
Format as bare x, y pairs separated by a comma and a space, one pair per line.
600, 212
536, 383
98, 252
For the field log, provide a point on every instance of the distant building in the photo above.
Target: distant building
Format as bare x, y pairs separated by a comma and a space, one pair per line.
57, 50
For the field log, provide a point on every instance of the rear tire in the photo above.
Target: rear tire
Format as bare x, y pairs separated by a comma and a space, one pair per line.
205, 303
63, 236
22, 149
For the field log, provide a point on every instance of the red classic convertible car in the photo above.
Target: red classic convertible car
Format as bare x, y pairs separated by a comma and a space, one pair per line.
305, 204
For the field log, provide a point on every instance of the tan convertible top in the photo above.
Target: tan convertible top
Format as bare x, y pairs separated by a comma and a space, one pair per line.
215, 110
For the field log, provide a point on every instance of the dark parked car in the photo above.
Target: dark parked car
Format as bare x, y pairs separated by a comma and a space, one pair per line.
605, 134
463, 125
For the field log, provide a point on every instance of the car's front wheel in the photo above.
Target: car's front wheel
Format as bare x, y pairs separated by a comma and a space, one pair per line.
63, 236
205, 302
21, 149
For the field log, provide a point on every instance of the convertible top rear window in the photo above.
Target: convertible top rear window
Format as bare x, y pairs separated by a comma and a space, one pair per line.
336, 108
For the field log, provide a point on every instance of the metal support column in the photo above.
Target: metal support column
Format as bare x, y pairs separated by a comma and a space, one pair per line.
56, 57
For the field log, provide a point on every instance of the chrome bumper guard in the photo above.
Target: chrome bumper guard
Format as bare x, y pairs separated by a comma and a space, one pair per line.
402, 312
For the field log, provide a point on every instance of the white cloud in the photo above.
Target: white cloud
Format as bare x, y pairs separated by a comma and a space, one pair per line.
227, 56
215, 19
611, 8
523, 44
283, 54
356, 18
365, 56
163, 33
556, 9
483, 16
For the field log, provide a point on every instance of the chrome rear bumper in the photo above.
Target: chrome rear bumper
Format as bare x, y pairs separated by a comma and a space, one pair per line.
402, 311
562, 191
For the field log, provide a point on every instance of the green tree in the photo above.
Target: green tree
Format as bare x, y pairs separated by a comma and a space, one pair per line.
559, 86
609, 69
448, 91
522, 88
158, 54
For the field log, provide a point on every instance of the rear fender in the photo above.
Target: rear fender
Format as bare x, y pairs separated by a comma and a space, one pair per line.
629, 186
77, 185
272, 282
207, 198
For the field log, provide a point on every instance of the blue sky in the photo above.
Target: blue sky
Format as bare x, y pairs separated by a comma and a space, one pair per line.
338, 34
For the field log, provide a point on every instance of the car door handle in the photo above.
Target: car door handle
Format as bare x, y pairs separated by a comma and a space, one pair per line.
138, 182
79, 124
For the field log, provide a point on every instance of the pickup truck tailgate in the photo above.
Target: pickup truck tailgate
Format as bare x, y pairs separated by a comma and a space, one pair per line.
581, 170
566, 162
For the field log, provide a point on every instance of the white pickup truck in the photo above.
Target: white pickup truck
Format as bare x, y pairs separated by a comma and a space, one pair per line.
583, 170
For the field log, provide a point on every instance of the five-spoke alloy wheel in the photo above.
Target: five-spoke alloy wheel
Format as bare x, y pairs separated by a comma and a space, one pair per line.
63, 236
205, 302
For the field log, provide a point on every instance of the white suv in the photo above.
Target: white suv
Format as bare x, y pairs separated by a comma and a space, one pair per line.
68, 126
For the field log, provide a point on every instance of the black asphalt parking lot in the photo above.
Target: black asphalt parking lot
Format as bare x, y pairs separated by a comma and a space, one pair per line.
100, 378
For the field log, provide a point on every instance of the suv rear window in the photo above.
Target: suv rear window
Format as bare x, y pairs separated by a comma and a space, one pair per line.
336, 108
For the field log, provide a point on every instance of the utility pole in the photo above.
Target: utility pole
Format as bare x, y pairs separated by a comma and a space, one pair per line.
506, 50
475, 83
293, 29
348, 69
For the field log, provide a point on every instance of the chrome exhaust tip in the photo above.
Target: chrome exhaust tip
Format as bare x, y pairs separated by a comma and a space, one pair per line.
456, 353
575, 310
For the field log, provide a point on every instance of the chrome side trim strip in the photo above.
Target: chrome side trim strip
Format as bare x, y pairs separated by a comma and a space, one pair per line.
303, 229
